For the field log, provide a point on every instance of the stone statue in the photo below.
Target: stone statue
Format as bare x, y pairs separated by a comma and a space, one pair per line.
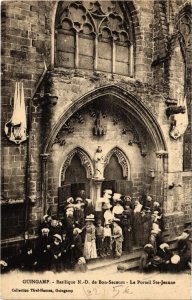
99, 163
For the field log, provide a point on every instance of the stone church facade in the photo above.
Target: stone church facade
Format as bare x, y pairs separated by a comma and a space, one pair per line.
104, 74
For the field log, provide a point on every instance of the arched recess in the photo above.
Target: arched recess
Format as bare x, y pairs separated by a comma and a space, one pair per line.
124, 99
122, 159
129, 103
85, 161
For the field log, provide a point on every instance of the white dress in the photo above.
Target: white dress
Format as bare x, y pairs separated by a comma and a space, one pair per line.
90, 250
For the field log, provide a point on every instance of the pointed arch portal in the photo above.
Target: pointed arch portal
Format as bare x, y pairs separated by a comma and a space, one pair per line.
134, 107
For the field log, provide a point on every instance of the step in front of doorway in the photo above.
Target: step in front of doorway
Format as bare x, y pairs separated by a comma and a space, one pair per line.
132, 259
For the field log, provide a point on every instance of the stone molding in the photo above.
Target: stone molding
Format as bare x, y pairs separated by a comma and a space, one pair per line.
122, 159
85, 161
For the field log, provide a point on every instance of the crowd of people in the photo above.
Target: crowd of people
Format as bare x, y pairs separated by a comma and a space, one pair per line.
162, 258
83, 233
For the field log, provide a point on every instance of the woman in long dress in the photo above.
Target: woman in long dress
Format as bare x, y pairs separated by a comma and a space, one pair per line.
90, 250
137, 224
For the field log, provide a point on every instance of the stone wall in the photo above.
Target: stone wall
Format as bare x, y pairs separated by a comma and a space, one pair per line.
27, 40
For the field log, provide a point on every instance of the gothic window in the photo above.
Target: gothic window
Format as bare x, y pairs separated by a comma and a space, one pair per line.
93, 35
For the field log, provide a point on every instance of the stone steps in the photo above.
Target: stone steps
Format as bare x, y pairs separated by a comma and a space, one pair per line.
132, 259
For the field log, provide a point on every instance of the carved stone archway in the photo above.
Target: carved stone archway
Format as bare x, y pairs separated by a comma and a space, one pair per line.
85, 161
122, 159
126, 101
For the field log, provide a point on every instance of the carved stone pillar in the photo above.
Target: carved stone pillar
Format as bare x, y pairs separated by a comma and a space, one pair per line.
44, 158
161, 169
97, 184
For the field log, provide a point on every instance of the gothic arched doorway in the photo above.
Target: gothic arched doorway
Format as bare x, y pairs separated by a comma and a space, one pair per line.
75, 176
117, 173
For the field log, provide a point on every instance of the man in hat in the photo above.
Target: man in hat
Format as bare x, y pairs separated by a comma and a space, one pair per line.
43, 250
79, 213
56, 253
118, 237
69, 223
107, 239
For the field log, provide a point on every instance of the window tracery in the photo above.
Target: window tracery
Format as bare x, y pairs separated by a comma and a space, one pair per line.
93, 35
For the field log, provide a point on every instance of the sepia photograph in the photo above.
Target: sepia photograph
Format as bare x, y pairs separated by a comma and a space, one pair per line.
96, 178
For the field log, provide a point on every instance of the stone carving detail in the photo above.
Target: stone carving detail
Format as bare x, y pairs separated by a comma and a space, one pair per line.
61, 136
99, 129
135, 140
121, 159
85, 161
184, 26
98, 164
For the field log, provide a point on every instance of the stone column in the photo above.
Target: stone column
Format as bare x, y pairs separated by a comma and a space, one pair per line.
161, 166
96, 189
44, 158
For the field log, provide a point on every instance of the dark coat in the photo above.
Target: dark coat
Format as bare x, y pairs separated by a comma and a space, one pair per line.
76, 250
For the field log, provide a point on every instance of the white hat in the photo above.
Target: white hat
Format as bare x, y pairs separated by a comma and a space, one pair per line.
45, 229
70, 200
183, 236
58, 237
76, 230
79, 199
148, 246
90, 218
116, 219
156, 203
107, 196
175, 259
45, 217
69, 209
163, 246
81, 260
116, 196
108, 192
149, 198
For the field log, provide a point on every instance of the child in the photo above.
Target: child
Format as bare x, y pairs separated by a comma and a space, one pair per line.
107, 236
99, 238
81, 265
56, 252
28, 259
118, 237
